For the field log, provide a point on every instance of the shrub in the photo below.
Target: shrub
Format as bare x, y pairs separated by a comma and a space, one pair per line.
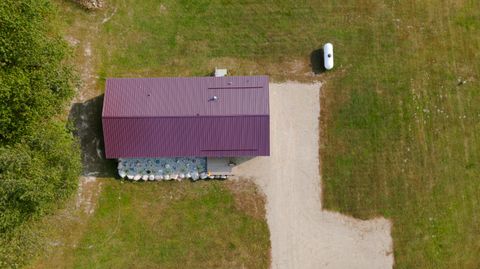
35, 80
36, 173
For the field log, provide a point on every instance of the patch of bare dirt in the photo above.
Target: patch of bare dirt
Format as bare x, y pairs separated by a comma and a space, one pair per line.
90, 4
248, 198
162, 9
298, 69
108, 17
88, 191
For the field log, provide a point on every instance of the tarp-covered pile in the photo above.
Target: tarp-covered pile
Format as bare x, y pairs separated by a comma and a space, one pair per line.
163, 168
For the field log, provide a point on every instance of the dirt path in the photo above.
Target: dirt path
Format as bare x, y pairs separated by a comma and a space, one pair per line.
302, 234
84, 112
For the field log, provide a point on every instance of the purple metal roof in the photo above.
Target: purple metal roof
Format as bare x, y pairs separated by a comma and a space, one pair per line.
175, 97
173, 117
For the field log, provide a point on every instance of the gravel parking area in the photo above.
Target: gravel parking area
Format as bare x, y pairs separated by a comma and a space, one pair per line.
302, 234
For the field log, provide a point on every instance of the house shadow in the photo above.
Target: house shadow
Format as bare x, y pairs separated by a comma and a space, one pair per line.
239, 160
86, 117
316, 61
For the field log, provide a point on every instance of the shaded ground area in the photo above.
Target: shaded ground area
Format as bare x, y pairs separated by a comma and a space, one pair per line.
87, 119
317, 61
302, 234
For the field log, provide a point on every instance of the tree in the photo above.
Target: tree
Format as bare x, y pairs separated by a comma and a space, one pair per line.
35, 79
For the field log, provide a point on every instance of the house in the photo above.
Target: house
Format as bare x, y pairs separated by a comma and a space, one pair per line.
215, 117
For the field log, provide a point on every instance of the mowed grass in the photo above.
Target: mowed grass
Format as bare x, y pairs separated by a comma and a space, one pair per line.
191, 38
400, 137
167, 225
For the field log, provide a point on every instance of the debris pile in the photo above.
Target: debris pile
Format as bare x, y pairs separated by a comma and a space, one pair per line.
90, 4
164, 169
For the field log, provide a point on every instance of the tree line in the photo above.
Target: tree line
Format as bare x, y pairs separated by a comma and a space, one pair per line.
39, 157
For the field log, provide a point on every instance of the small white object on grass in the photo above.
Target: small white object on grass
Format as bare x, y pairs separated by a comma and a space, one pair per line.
328, 56
220, 72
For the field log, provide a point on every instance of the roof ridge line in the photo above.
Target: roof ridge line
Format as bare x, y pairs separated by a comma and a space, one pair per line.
187, 116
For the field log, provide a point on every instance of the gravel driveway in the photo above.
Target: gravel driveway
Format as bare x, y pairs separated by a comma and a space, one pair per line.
302, 234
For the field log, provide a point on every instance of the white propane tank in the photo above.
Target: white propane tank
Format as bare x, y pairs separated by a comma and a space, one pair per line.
328, 56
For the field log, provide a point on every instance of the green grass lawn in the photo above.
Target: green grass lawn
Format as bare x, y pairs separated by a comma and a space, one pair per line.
400, 138
164, 225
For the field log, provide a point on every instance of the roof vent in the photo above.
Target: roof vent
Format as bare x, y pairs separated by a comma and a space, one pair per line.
214, 98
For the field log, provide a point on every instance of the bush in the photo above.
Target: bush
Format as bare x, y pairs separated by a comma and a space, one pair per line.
35, 173
20, 245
